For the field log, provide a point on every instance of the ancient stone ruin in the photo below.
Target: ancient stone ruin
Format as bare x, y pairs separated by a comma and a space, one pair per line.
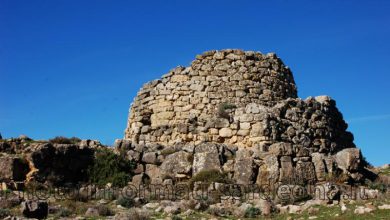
237, 112
227, 135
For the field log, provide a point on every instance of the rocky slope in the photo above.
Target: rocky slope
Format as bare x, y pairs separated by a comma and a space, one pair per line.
24, 161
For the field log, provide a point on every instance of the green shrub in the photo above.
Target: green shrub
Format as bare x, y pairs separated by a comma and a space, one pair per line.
252, 212
125, 202
175, 217
64, 140
109, 167
4, 213
377, 185
64, 212
222, 109
104, 210
5, 192
385, 172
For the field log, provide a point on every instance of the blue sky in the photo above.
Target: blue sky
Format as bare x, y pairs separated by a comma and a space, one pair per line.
72, 67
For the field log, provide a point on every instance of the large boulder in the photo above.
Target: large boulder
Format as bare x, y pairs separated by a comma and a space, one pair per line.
176, 163
34, 209
206, 157
244, 168
318, 160
150, 158
63, 163
269, 171
281, 149
154, 173
286, 170
305, 172
349, 160
266, 207
13, 168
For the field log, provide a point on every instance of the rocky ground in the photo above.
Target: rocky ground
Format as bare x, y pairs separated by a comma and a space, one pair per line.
39, 181
111, 206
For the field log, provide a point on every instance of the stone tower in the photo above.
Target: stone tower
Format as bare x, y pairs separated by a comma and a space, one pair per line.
245, 103
236, 97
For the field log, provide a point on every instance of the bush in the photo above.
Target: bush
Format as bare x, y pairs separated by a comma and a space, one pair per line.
378, 184
175, 217
64, 212
64, 140
252, 212
125, 202
109, 167
4, 213
104, 210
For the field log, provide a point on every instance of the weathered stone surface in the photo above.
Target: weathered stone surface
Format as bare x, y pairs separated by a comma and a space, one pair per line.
13, 168
139, 179
206, 161
348, 159
286, 170
244, 167
281, 149
92, 212
249, 100
176, 163
226, 132
206, 157
327, 192
139, 169
305, 172
210, 91
319, 165
269, 171
150, 157
154, 173
384, 207
265, 206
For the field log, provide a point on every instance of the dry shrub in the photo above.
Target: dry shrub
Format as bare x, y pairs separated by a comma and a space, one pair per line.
64, 140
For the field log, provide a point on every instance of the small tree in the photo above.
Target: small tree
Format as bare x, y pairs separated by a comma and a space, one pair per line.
109, 167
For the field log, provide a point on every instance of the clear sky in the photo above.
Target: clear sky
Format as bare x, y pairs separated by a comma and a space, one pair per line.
72, 67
